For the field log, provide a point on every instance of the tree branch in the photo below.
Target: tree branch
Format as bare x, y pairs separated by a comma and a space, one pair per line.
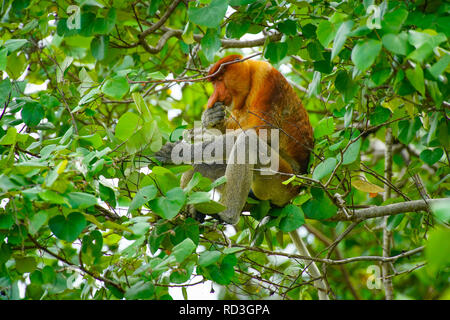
389, 210
387, 234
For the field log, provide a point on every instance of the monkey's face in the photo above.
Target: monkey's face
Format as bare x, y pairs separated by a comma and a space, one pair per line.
220, 94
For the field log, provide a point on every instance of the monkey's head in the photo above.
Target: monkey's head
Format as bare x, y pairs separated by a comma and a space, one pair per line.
231, 83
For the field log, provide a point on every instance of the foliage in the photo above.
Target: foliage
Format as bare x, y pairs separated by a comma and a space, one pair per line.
87, 213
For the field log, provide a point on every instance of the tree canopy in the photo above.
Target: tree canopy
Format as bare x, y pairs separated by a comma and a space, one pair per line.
91, 89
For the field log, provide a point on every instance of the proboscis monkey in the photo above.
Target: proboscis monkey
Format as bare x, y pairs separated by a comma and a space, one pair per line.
256, 97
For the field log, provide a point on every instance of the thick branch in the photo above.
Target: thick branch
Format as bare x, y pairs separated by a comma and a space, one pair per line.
389, 210
161, 21
387, 234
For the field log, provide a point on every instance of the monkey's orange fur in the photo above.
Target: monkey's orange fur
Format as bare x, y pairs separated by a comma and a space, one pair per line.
260, 97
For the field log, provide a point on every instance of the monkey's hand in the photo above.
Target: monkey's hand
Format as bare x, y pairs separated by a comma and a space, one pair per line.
214, 117
164, 155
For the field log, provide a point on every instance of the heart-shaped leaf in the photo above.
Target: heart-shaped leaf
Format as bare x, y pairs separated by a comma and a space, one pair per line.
182, 250
209, 16
208, 257
169, 205
69, 228
430, 157
365, 53
324, 168
144, 195
293, 218
211, 207
116, 87
32, 113
140, 290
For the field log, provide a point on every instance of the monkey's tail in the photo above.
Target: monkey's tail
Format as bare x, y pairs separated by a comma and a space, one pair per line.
312, 268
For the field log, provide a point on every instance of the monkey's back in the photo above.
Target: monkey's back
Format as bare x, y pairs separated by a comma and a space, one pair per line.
276, 106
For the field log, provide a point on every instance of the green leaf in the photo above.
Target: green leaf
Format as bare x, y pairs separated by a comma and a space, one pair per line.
325, 127
437, 250
236, 29
439, 67
319, 207
5, 90
99, 47
365, 53
37, 221
183, 250
81, 200
6, 221
10, 137
25, 264
140, 290
309, 31
169, 205
415, 76
240, 2
288, 27
16, 65
292, 218
345, 85
209, 16
128, 124
326, 32
352, 153
188, 229
260, 210
143, 196
211, 207
379, 115
314, 86
69, 228
324, 168
5, 253
207, 258
141, 104
315, 50
211, 43
341, 36
107, 194
397, 43
53, 197
392, 21
430, 157
441, 210
14, 44
407, 130
32, 113
3, 59
198, 197
418, 38
275, 51
116, 87
422, 53
223, 273
153, 7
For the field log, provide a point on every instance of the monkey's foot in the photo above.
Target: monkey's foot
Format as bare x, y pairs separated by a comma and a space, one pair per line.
164, 155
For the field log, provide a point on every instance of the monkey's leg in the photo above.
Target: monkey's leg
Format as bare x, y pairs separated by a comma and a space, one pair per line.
239, 174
